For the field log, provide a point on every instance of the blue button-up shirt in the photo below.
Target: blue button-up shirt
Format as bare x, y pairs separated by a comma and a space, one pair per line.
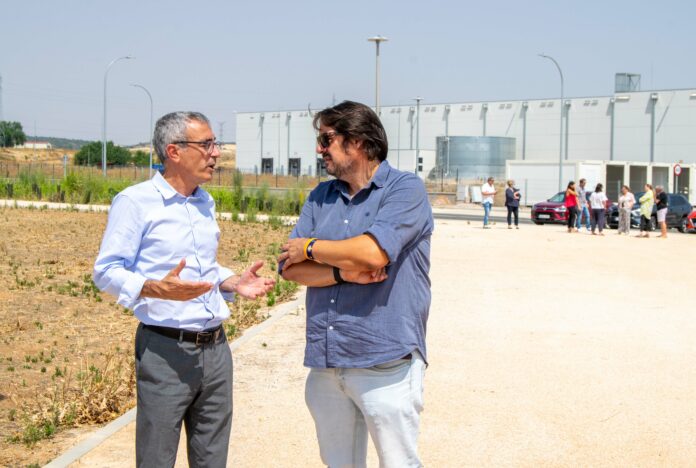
151, 228
358, 326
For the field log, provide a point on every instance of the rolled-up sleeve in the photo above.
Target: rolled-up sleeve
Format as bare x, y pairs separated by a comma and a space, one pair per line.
403, 217
118, 251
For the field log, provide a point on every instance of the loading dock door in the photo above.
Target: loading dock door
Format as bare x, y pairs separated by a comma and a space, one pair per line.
615, 179
267, 166
681, 182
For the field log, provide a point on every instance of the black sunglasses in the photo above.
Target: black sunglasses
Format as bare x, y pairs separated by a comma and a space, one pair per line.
324, 139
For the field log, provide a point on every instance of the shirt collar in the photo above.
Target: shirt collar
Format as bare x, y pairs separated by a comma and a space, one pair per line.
167, 191
380, 177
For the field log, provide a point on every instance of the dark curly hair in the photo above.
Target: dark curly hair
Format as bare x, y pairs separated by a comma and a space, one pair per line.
356, 122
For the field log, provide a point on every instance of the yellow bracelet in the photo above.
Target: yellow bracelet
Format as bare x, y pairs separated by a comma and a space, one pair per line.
309, 241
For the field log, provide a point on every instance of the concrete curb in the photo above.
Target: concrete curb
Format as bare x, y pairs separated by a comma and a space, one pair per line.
102, 434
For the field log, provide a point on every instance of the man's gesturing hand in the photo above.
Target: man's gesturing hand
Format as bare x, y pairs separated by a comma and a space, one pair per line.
174, 288
249, 284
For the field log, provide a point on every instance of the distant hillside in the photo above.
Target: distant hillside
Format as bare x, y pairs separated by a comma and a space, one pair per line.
61, 143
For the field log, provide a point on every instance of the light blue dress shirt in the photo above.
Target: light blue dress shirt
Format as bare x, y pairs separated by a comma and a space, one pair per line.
151, 227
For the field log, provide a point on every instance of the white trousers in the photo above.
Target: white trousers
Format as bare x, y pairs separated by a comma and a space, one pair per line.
384, 400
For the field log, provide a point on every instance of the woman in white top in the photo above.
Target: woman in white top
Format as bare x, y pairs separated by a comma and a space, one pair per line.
626, 202
598, 203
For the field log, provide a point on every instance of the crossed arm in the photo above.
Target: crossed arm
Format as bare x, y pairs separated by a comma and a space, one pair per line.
359, 259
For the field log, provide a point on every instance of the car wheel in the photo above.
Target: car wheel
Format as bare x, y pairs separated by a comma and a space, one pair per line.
653, 223
682, 225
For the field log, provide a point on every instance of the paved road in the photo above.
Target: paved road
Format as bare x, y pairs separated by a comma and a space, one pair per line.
461, 216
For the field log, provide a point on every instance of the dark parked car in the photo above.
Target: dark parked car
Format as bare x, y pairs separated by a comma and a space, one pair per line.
678, 212
552, 210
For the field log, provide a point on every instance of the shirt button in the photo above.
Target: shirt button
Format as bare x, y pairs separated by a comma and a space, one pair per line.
331, 327
345, 221
332, 301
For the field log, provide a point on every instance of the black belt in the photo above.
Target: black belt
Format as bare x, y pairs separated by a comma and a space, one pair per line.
200, 338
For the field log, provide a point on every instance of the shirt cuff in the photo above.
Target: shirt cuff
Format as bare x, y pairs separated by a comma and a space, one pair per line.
225, 273
130, 292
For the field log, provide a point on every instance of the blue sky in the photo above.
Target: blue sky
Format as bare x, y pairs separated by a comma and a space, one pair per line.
224, 56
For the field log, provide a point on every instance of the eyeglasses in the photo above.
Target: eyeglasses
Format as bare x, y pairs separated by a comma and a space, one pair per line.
208, 145
324, 139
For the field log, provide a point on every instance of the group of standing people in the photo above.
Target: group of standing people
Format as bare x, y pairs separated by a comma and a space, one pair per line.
512, 202
593, 208
656, 196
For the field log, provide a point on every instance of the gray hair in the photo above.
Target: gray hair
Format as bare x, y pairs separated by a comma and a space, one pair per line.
659, 188
172, 127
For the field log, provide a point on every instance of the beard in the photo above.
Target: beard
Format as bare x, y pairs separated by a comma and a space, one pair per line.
337, 170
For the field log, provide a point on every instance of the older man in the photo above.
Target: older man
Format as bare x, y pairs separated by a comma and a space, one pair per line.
159, 258
362, 245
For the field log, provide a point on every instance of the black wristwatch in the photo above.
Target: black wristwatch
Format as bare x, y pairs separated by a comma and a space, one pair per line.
337, 275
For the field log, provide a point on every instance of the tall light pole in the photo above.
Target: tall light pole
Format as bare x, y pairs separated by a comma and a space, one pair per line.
106, 74
560, 149
418, 100
151, 116
377, 40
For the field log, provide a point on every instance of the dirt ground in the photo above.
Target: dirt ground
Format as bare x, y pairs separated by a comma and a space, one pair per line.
545, 349
54, 325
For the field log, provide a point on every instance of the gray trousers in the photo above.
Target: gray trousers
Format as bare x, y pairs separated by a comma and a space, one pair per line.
180, 381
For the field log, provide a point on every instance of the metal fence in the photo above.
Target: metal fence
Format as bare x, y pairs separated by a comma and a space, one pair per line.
223, 177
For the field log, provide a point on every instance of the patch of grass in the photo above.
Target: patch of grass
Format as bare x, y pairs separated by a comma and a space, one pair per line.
243, 254
96, 395
282, 291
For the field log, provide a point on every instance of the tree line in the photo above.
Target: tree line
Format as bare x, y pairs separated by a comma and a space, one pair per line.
91, 155
11, 134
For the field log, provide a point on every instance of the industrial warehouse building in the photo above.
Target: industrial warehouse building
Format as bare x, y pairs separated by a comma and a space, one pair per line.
623, 136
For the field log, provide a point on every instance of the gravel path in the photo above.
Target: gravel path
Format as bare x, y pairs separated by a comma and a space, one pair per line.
546, 349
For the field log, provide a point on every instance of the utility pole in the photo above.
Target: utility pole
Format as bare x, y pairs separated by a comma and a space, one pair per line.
560, 146
221, 125
377, 40
418, 100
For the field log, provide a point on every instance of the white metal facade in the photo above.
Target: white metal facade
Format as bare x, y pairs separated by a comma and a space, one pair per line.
622, 127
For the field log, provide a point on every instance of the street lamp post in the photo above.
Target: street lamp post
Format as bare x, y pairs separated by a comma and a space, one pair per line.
560, 149
418, 100
151, 117
377, 40
106, 74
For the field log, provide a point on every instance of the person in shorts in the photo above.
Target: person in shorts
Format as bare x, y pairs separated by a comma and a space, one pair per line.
662, 208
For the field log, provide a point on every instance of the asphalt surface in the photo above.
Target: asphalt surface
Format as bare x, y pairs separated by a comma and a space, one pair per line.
474, 217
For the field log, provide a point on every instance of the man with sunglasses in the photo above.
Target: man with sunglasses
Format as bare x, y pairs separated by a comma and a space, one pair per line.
362, 246
159, 258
